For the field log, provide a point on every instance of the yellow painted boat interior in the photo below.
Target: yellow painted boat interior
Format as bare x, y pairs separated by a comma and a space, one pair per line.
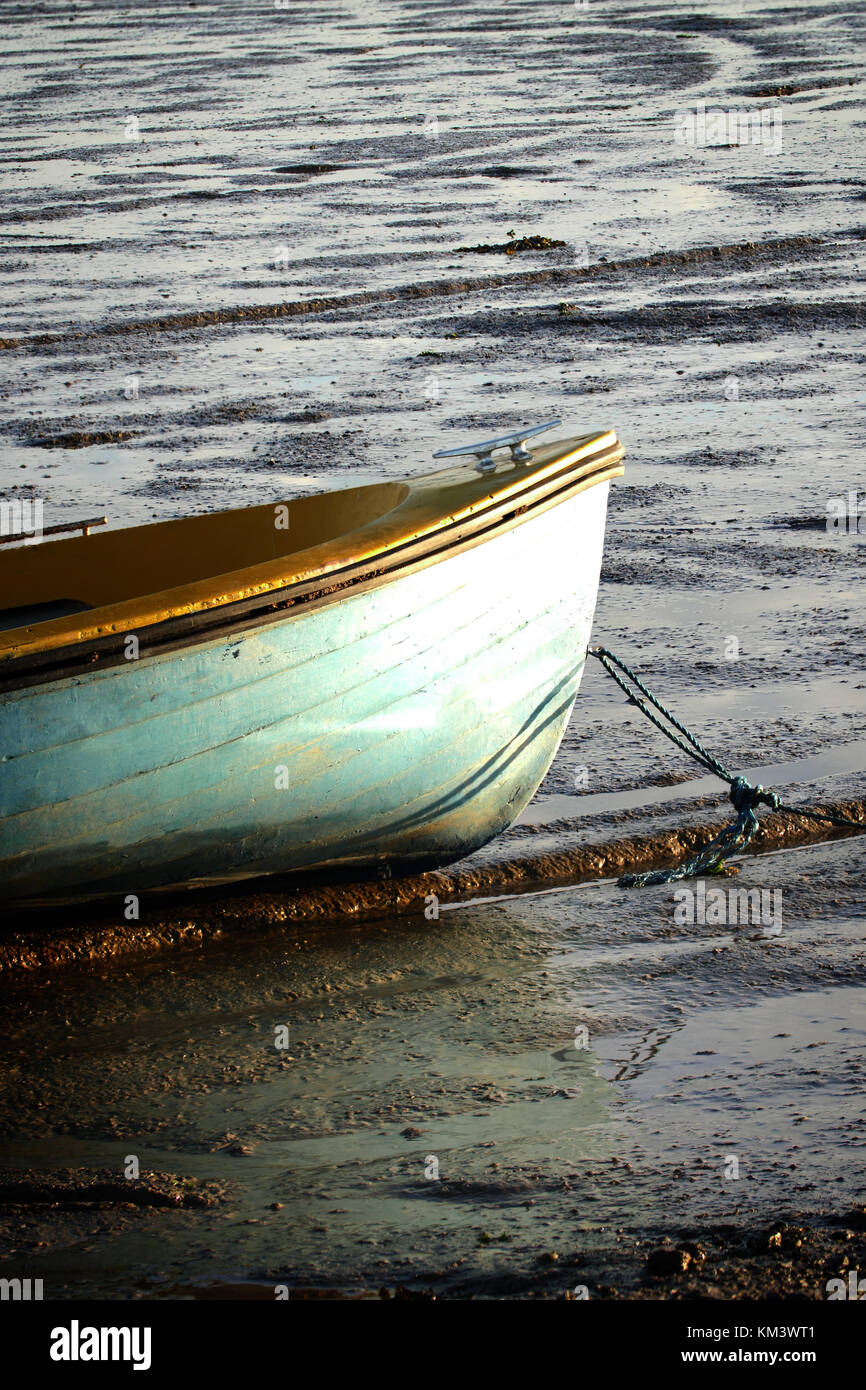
123, 580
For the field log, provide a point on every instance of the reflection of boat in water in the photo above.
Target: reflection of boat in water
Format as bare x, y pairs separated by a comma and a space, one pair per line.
378, 674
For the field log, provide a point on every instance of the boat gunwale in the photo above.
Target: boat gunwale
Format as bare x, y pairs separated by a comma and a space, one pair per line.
218, 622
429, 504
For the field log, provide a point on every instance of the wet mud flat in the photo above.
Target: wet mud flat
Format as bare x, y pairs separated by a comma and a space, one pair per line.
568, 1090
277, 255
42, 939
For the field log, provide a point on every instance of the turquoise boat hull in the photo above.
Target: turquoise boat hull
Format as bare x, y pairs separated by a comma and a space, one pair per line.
404, 725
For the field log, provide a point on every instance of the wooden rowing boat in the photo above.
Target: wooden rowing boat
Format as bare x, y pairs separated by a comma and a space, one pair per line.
378, 675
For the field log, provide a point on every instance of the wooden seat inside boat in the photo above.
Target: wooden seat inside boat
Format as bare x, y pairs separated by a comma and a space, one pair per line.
54, 578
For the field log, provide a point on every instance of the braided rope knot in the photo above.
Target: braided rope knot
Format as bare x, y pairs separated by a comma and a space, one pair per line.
746, 797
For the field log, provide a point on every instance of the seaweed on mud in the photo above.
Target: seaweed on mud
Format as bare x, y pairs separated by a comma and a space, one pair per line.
104, 1189
514, 247
309, 169
81, 439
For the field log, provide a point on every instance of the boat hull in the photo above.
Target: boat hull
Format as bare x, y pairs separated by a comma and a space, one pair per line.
406, 724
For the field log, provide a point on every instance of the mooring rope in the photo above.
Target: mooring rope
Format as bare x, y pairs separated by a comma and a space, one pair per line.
745, 797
